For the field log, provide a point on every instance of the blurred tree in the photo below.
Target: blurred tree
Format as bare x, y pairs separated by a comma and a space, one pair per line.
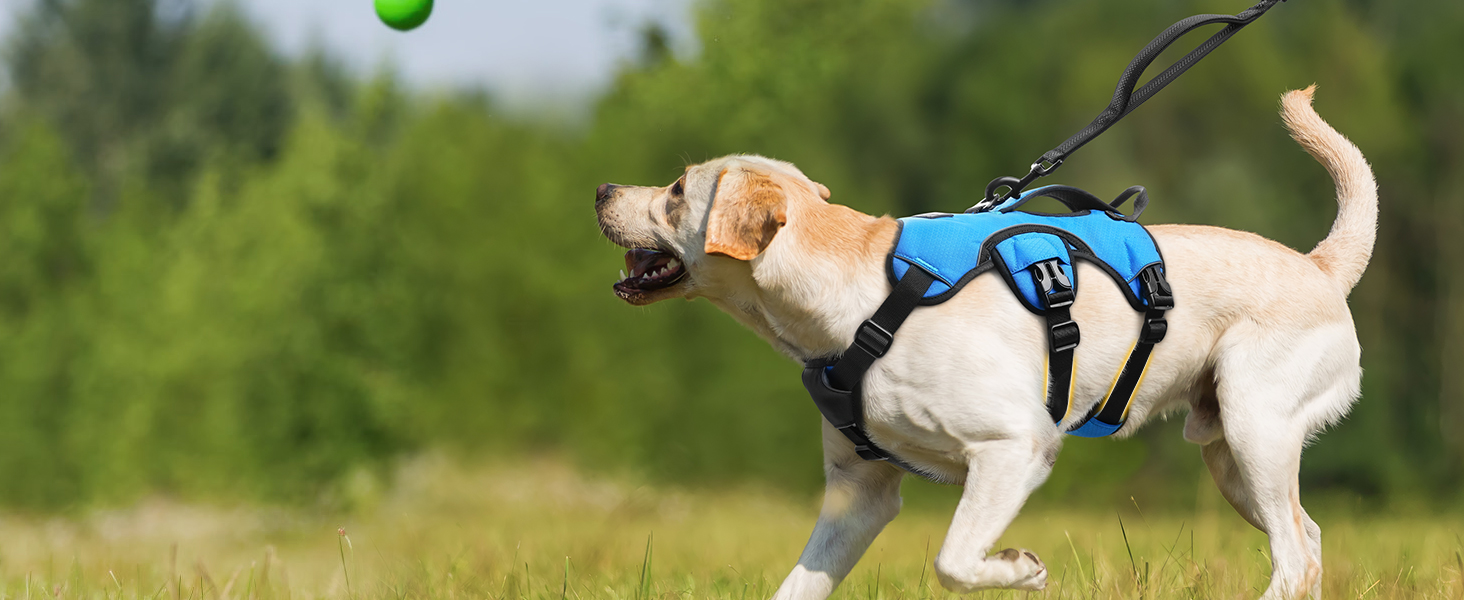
1419, 316
45, 264
99, 70
144, 86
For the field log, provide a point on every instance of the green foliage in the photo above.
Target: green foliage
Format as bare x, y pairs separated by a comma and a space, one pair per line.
229, 276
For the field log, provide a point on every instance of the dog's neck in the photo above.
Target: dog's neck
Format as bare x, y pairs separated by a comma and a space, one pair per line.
822, 276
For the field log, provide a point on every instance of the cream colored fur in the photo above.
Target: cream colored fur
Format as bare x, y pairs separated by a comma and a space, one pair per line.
1261, 350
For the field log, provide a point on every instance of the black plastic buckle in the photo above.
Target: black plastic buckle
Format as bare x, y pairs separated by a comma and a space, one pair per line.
1057, 289
1156, 288
873, 339
1153, 330
863, 446
1063, 336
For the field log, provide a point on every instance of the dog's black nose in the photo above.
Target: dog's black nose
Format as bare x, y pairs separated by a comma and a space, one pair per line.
603, 192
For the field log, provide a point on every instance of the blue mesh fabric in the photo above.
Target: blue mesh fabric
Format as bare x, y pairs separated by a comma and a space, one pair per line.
1020, 252
1093, 428
949, 246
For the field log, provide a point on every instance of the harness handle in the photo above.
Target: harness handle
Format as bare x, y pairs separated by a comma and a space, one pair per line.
1141, 201
1077, 199
1126, 98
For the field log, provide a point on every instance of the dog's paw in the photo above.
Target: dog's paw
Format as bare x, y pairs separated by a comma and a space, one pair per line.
1009, 569
1028, 571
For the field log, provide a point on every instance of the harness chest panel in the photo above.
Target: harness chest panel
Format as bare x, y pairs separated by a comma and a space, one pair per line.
935, 255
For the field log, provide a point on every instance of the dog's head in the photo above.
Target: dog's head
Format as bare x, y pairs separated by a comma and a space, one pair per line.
697, 236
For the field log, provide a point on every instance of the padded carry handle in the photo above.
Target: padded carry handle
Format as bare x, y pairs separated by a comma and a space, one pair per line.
1077, 199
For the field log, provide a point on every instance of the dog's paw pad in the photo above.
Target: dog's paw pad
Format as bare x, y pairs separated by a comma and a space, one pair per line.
1038, 579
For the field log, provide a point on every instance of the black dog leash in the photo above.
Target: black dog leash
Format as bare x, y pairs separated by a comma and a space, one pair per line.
1125, 97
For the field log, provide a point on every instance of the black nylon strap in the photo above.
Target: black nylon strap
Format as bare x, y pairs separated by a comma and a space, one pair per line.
874, 337
1076, 199
1123, 390
1126, 98
1160, 298
1059, 366
1063, 336
835, 384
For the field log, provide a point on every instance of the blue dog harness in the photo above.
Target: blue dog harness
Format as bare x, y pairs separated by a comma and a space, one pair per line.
937, 254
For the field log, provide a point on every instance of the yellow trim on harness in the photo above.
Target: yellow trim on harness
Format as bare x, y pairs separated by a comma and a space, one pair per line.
1072, 384
1109, 394
1047, 379
1138, 386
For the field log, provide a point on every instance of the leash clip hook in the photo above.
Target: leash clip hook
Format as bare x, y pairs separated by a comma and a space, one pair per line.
1014, 186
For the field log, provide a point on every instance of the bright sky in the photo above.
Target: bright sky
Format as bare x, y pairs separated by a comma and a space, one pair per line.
520, 48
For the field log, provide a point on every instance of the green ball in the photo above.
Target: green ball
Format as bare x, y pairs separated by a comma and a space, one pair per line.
403, 15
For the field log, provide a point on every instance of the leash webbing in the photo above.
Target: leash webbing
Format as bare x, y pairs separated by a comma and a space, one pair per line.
1126, 98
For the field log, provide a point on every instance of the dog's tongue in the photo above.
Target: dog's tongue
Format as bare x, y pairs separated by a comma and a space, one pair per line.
640, 256
641, 261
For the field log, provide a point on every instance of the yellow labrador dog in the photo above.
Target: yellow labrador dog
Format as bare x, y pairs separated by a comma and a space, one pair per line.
1261, 350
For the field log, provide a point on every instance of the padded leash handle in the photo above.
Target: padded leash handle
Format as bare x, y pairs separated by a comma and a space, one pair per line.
1125, 97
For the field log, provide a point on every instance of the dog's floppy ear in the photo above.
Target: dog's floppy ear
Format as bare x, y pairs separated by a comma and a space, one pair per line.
747, 210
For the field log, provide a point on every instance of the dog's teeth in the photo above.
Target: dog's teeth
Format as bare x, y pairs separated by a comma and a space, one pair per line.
673, 264
622, 274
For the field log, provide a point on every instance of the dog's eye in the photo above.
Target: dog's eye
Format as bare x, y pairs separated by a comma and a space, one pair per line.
676, 188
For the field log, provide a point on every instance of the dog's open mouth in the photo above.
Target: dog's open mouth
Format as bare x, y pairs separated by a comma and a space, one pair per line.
648, 271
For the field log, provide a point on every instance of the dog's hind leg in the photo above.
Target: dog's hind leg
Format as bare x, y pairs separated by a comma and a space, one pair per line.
1001, 475
860, 498
1266, 461
1227, 478
1273, 394
1314, 543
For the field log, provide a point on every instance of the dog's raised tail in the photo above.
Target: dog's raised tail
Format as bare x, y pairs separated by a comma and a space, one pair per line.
1346, 250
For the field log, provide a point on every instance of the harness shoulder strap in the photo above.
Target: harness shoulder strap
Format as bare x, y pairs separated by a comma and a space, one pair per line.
874, 337
835, 384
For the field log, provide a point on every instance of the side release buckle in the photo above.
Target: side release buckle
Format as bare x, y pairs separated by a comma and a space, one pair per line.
1057, 289
1057, 294
1156, 288
862, 444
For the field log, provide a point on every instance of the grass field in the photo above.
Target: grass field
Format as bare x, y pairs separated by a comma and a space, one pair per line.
543, 531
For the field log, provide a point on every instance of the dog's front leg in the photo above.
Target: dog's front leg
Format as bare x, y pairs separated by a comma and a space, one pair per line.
860, 498
1001, 475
